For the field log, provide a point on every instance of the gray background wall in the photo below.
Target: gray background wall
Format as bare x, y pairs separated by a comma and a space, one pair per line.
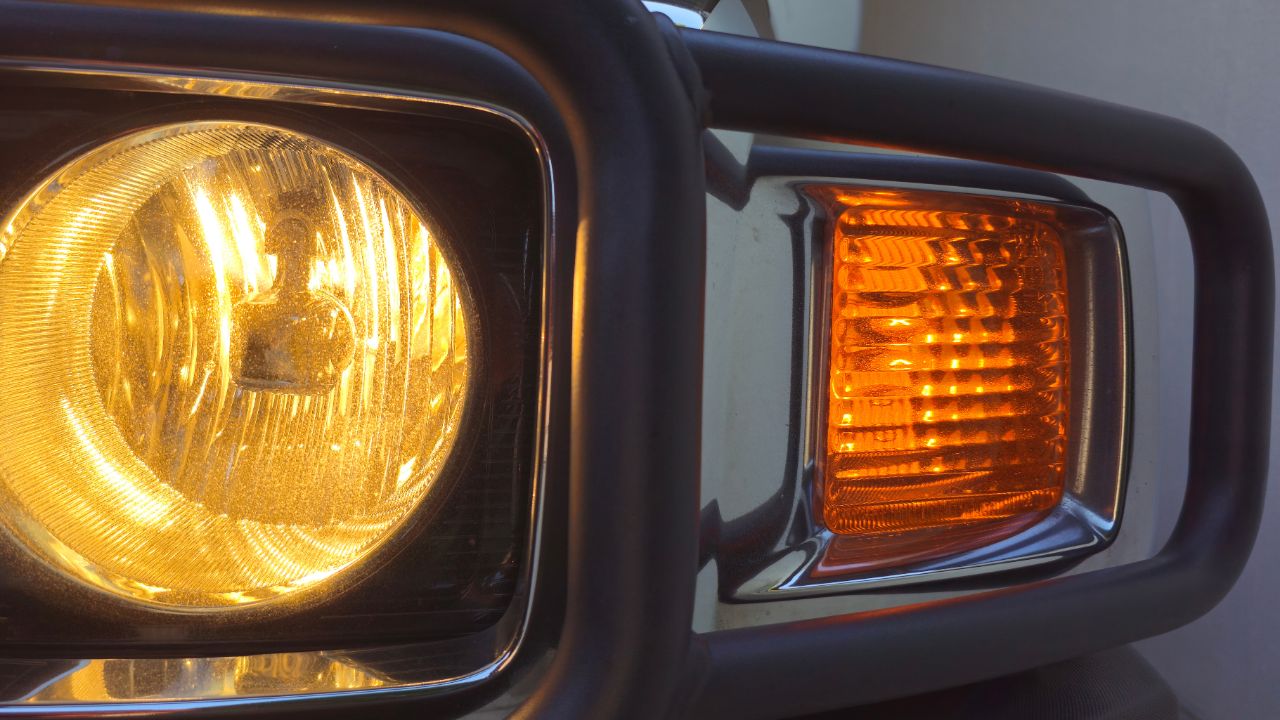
1215, 63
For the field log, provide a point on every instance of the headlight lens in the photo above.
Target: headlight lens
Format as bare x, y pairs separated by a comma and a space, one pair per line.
234, 361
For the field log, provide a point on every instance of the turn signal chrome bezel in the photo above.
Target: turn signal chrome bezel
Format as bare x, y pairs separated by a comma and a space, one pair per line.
1086, 518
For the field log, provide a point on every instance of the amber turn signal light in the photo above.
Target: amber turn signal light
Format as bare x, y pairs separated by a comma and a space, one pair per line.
947, 373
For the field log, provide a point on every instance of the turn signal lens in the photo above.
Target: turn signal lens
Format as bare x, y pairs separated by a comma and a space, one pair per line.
948, 371
234, 362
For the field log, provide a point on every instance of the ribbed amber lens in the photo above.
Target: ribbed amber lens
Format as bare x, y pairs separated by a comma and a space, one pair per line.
947, 406
234, 362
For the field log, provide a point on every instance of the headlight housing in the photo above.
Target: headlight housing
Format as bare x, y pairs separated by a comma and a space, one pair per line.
364, 272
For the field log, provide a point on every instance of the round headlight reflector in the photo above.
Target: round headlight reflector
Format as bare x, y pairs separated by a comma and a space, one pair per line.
234, 361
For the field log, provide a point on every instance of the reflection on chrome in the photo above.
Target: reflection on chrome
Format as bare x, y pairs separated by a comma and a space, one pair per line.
152, 679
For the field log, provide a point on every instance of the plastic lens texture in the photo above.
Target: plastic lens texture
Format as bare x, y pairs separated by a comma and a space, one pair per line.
235, 362
948, 373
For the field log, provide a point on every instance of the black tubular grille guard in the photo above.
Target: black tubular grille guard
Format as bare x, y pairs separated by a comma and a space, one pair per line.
626, 649
808, 666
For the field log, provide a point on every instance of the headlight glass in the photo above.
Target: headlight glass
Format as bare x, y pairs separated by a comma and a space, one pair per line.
235, 361
948, 383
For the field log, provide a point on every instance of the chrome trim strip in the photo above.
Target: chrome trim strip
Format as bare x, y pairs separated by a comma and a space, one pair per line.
261, 87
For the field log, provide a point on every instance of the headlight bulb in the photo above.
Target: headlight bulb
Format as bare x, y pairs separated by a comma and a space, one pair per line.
295, 337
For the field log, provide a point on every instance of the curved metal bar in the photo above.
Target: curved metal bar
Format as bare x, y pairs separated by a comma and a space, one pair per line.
835, 662
636, 328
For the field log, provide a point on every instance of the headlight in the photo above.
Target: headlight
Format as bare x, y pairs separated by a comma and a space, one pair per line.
235, 360
273, 360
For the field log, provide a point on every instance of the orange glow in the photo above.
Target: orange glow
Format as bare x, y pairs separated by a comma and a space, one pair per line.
947, 411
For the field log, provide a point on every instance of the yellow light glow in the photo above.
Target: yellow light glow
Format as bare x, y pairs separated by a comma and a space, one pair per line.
235, 361
158, 679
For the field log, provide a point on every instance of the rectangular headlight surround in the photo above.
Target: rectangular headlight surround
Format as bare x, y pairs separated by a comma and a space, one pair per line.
456, 581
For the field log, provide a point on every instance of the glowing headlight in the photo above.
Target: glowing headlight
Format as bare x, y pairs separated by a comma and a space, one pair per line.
234, 361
